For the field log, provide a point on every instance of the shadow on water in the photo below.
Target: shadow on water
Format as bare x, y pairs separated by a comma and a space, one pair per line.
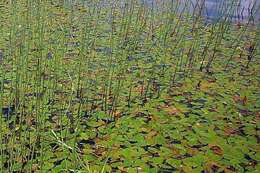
8, 111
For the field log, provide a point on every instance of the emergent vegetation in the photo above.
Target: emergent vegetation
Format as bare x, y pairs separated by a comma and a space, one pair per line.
122, 86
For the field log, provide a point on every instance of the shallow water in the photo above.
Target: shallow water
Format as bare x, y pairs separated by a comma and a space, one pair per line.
243, 9
215, 9
212, 9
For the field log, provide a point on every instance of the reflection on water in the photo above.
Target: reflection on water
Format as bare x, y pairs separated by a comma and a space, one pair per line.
215, 9
241, 10
236, 10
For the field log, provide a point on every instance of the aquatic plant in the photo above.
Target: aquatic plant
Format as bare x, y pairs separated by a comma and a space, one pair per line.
126, 86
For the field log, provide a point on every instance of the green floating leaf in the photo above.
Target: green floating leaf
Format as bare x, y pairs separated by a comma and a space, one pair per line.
94, 123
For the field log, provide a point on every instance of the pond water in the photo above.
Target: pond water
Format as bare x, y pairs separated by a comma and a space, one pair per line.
237, 10
215, 9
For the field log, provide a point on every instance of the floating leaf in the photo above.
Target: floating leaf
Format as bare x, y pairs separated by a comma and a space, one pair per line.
216, 149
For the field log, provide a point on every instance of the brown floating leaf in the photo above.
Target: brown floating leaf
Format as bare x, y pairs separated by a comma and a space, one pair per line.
192, 151
241, 100
100, 151
206, 85
117, 115
170, 109
35, 167
121, 168
173, 111
212, 167
216, 149
236, 98
258, 116
175, 151
245, 100
151, 134
230, 131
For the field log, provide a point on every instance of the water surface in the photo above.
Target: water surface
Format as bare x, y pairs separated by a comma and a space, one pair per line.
237, 10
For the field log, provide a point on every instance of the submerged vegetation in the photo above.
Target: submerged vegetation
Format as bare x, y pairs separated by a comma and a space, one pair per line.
109, 86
